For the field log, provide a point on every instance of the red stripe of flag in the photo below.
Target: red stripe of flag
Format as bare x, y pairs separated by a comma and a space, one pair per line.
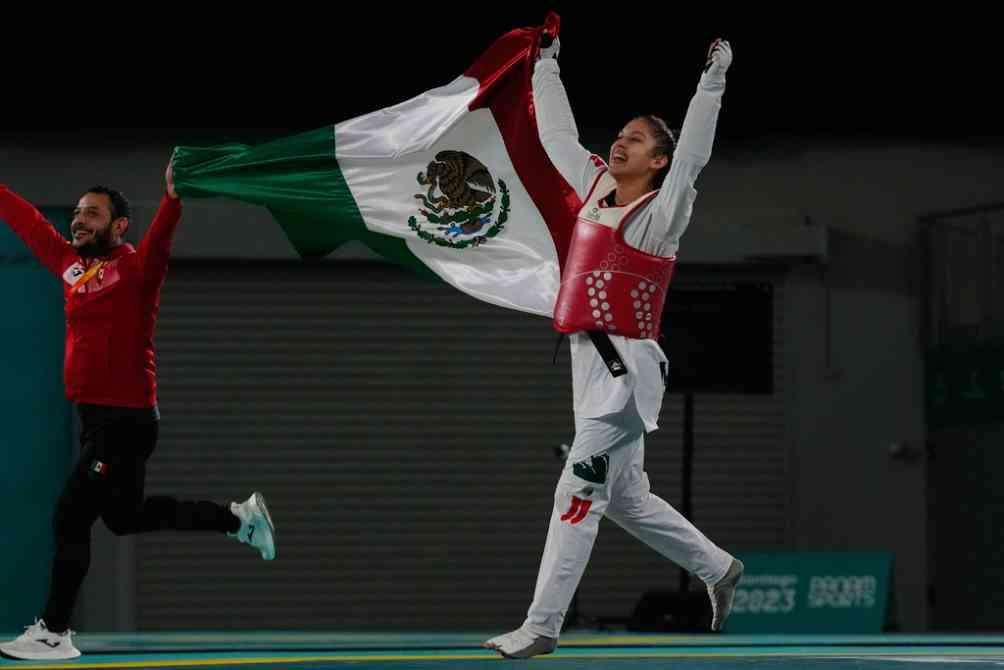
504, 72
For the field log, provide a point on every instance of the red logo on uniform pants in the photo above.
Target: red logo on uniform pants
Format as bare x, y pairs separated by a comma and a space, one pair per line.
577, 512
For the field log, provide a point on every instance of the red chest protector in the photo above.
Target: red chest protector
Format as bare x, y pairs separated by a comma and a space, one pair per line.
608, 285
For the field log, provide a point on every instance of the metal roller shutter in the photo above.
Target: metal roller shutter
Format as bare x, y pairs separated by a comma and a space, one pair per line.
403, 434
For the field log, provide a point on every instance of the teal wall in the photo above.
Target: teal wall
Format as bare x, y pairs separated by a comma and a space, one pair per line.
36, 427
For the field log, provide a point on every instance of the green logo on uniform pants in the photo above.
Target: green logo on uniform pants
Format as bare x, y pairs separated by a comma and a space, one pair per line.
595, 470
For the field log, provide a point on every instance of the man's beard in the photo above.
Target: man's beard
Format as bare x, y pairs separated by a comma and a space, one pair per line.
99, 246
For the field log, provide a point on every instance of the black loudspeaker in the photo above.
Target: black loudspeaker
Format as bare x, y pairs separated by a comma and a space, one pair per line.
719, 337
672, 611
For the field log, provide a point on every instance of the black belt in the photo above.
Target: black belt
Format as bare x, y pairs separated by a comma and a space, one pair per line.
606, 350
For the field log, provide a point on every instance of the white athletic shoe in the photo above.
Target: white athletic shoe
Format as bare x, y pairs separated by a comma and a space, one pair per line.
39, 643
521, 644
723, 593
256, 528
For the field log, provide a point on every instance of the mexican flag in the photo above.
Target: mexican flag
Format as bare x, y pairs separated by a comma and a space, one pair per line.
454, 181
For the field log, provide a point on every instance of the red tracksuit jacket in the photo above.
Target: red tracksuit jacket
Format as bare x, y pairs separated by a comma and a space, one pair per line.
110, 320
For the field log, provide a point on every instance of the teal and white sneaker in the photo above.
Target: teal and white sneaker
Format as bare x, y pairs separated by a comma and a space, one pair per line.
39, 643
256, 528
